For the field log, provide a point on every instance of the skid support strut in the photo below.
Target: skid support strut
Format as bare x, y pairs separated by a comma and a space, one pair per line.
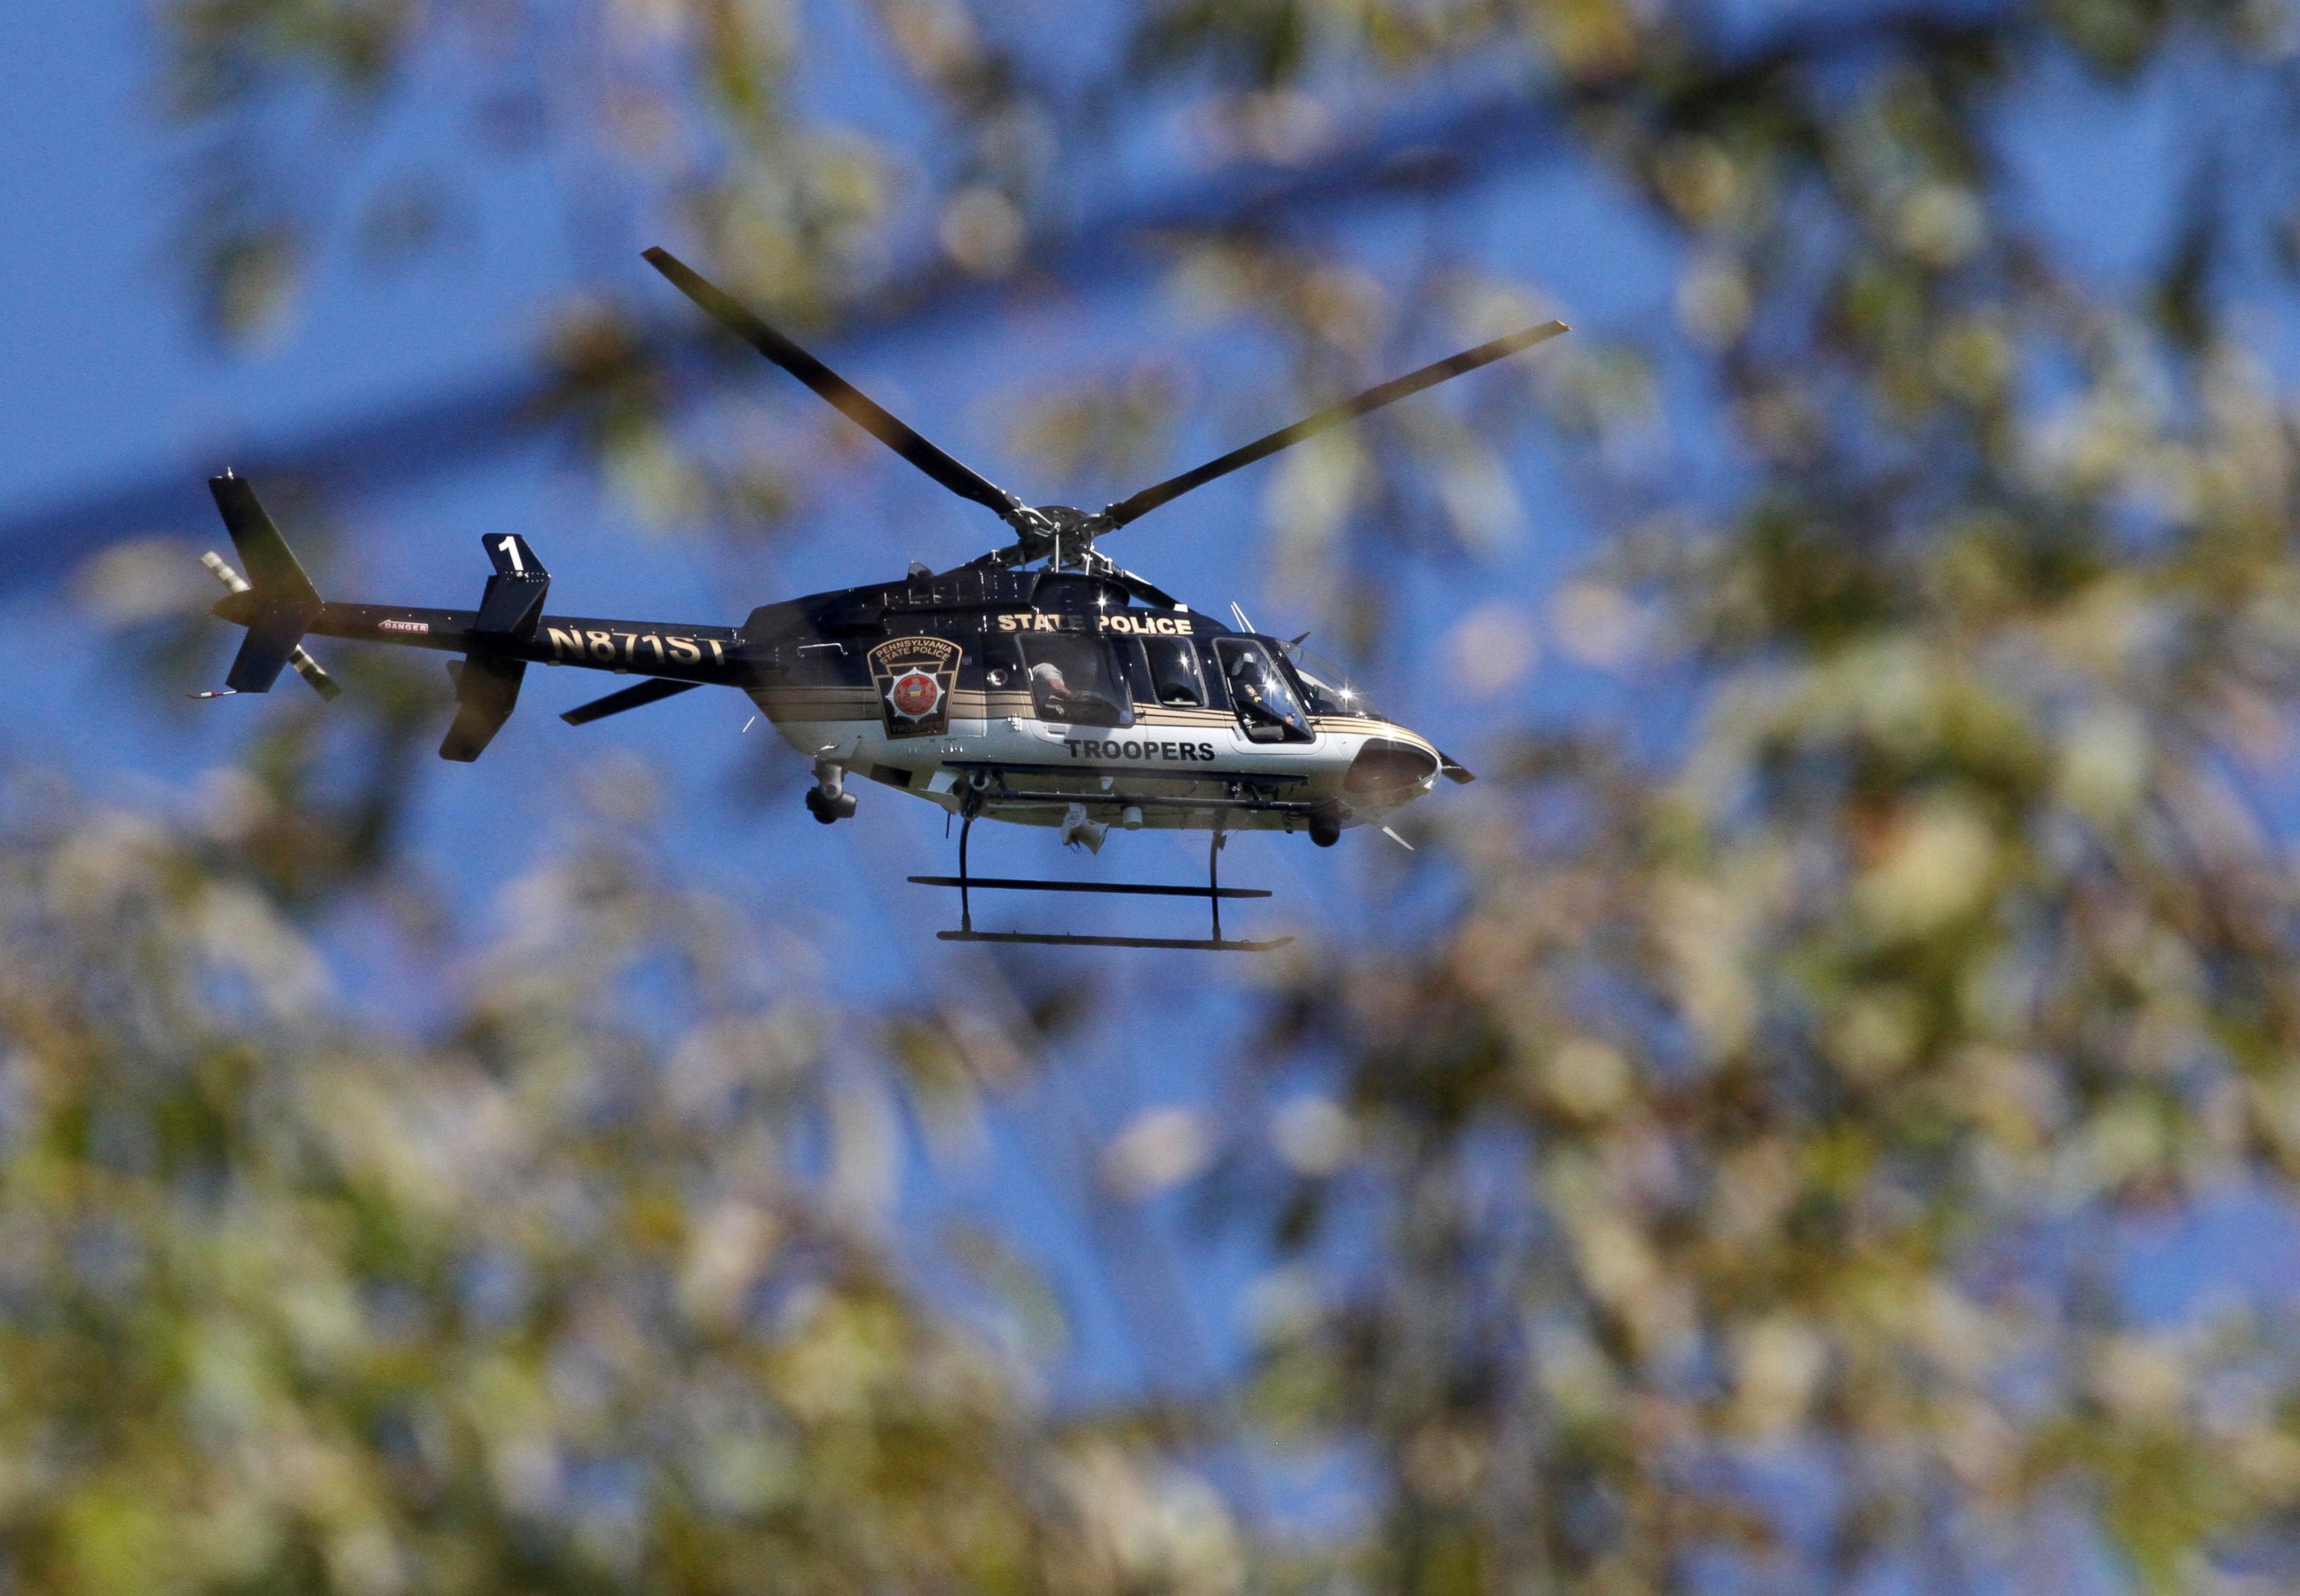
965, 897
1213, 891
1213, 875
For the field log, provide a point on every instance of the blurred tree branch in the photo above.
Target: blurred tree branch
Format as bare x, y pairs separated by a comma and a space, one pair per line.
1743, 1183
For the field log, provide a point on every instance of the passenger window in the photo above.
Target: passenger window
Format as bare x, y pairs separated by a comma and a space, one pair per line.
1259, 692
1001, 663
1135, 664
1174, 671
1071, 680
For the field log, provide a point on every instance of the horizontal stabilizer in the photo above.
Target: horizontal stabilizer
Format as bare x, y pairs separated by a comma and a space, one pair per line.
654, 690
1454, 770
486, 691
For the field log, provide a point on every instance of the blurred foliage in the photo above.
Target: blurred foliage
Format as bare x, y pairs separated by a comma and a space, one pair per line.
525, 1296
1741, 1188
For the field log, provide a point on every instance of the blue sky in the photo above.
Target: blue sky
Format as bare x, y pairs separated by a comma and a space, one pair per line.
110, 378
107, 376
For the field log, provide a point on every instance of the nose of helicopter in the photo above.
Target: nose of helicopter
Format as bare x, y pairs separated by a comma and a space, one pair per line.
1387, 772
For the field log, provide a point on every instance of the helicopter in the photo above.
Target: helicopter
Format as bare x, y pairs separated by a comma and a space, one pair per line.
1038, 684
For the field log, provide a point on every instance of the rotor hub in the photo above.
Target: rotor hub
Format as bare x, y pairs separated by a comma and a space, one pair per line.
1061, 535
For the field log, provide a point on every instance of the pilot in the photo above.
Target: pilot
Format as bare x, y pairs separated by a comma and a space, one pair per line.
1247, 690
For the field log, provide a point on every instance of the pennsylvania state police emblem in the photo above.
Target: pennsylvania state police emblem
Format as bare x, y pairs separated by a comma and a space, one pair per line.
913, 676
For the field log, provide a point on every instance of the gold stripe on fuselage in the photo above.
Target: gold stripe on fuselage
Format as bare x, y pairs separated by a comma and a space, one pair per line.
862, 703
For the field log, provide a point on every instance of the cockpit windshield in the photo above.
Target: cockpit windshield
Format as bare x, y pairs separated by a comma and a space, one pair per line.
1331, 690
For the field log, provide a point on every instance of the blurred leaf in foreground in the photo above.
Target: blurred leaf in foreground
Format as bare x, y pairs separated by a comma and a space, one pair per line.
527, 1298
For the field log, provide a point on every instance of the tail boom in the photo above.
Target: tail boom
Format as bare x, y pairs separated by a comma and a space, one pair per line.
702, 654
278, 606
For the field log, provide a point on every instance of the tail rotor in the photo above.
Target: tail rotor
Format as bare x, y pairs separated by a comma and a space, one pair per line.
275, 600
306, 665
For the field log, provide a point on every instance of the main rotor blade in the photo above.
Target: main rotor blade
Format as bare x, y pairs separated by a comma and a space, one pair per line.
1348, 409
845, 397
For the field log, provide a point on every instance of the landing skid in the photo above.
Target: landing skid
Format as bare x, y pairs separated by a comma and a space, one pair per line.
1213, 891
1062, 939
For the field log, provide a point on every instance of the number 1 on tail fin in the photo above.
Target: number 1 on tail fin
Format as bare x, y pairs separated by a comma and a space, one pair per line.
513, 602
513, 558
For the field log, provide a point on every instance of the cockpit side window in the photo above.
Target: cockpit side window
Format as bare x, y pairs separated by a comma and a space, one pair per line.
1072, 679
1174, 671
1267, 707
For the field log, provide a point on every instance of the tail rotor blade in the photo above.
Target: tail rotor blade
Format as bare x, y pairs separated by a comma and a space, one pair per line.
843, 395
1388, 393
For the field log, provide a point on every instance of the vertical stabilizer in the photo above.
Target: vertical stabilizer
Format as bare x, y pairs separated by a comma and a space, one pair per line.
486, 685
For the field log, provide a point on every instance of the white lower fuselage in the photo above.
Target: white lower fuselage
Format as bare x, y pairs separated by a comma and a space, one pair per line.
1171, 752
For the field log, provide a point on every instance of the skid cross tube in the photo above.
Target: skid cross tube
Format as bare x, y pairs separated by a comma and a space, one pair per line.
971, 805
